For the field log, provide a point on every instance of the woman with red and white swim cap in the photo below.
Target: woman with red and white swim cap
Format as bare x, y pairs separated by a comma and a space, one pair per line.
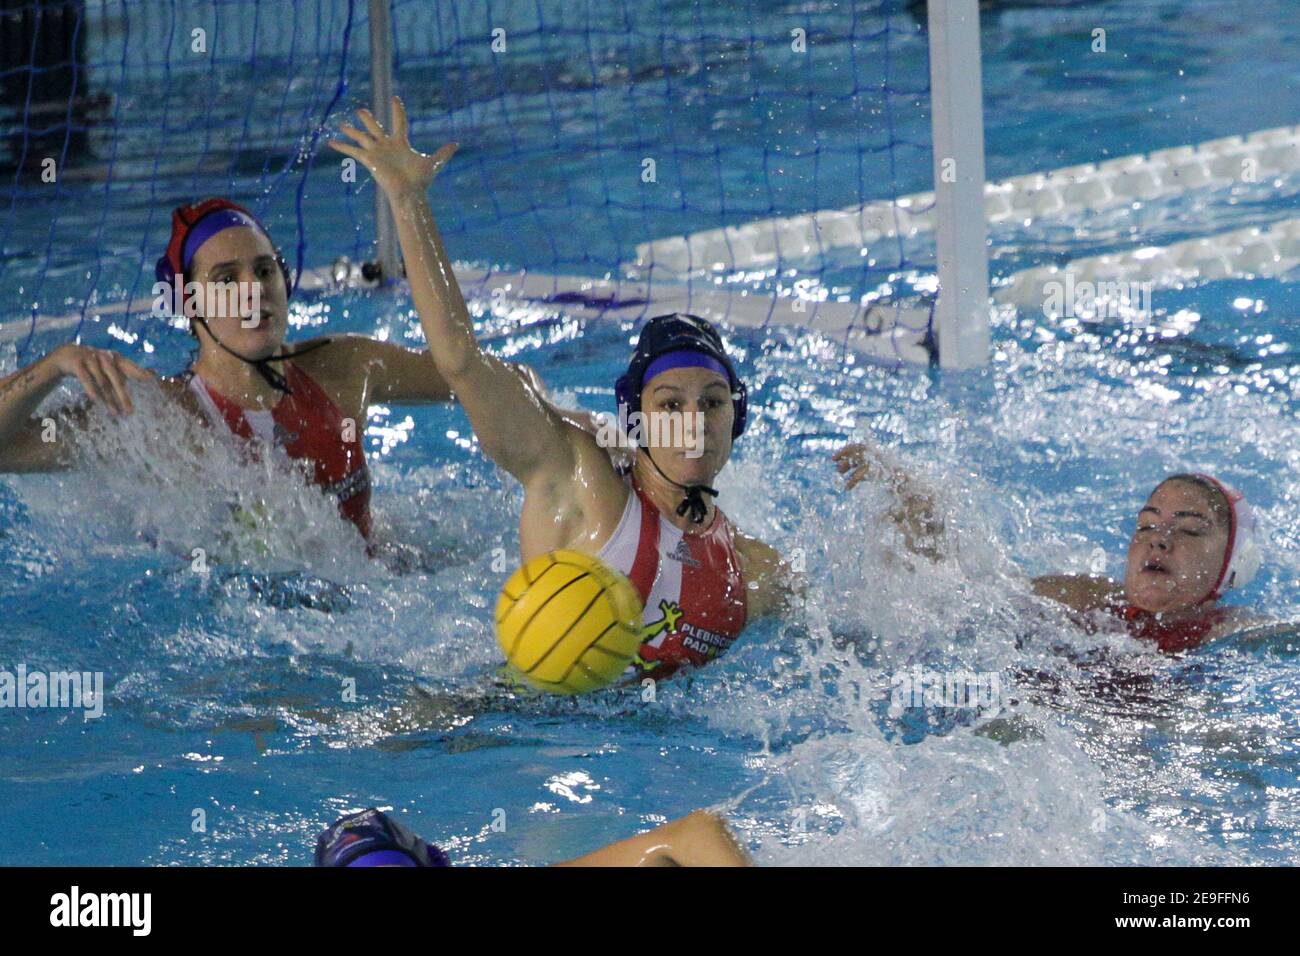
1195, 539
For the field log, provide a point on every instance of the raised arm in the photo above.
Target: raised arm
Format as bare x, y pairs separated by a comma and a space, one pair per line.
516, 428
23, 438
915, 512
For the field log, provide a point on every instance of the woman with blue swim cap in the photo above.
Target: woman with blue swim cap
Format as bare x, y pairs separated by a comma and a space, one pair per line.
1194, 540
245, 378
699, 577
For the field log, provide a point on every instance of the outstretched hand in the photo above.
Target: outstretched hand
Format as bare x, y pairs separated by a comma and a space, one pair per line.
398, 167
854, 460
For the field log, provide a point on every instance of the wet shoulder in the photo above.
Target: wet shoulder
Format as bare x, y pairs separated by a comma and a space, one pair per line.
1244, 623
176, 388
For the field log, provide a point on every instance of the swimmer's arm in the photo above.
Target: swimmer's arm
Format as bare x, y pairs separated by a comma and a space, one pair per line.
1080, 592
586, 421
914, 512
1248, 627
515, 427
27, 452
1246, 624
392, 372
774, 587
395, 373
700, 839
23, 444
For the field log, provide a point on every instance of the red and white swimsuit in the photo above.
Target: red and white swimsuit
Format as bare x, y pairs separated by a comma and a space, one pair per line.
690, 582
1170, 637
307, 426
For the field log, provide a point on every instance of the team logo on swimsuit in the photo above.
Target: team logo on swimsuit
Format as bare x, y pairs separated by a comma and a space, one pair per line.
683, 554
347, 488
671, 613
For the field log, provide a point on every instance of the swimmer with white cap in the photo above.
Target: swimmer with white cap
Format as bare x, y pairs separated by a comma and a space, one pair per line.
1194, 541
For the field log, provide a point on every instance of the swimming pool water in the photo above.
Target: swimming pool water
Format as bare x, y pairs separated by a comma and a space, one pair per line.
228, 692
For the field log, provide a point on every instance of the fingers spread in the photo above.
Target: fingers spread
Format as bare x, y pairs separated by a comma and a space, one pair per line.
89, 375
859, 475
134, 371
365, 139
347, 149
372, 124
444, 155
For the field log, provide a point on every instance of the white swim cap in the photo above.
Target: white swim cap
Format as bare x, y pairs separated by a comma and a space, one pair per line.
1241, 559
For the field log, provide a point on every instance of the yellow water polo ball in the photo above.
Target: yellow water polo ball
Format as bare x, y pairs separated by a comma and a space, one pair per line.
568, 622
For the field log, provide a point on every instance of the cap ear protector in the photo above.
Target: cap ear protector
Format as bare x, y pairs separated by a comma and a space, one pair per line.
680, 332
185, 218
1241, 559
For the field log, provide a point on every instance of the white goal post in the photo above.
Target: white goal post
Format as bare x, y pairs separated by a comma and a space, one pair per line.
957, 123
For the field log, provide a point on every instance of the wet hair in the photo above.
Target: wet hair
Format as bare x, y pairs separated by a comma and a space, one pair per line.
1220, 507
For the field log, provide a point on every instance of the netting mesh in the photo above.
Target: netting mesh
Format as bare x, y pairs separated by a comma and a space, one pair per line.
588, 128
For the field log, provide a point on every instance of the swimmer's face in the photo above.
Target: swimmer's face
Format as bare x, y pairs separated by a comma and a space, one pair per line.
686, 421
1177, 549
243, 256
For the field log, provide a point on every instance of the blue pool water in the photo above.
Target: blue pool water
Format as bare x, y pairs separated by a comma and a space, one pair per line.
226, 690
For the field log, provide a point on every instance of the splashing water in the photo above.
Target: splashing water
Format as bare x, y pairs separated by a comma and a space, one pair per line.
297, 677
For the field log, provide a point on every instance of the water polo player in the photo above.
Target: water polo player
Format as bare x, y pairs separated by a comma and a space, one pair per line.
308, 401
1194, 541
700, 579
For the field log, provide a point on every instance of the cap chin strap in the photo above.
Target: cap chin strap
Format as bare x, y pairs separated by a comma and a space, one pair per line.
694, 501
273, 377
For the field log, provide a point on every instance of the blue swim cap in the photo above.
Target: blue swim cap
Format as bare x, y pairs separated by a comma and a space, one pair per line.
193, 224
372, 838
680, 340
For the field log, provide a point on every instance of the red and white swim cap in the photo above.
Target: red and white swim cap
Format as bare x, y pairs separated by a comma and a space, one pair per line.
1242, 558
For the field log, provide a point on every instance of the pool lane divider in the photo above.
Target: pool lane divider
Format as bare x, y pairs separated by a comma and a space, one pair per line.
890, 332
1056, 194
1255, 252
